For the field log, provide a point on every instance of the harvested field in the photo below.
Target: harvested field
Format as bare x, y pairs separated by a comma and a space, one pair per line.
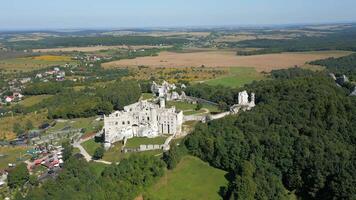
265, 62
96, 48
33, 63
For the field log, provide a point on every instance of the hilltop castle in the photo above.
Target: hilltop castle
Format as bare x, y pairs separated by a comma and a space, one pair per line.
142, 119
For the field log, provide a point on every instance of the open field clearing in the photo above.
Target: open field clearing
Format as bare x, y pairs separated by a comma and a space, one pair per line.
90, 125
33, 100
11, 155
190, 109
90, 146
191, 179
33, 63
176, 33
237, 77
172, 75
96, 48
53, 58
7, 123
261, 63
137, 141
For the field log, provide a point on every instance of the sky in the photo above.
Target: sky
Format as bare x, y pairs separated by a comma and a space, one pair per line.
72, 14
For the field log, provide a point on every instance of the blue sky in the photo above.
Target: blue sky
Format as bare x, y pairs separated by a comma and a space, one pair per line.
50, 14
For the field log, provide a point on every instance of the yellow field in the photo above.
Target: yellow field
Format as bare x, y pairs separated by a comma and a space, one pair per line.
96, 48
53, 58
172, 75
33, 63
261, 63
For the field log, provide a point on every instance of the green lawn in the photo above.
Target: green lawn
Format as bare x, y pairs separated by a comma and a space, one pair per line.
237, 77
193, 112
146, 96
189, 109
137, 141
12, 155
33, 100
90, 146
114, 154
96, 168
191, 179
89, 124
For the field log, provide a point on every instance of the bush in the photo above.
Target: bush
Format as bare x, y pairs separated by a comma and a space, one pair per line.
99, 153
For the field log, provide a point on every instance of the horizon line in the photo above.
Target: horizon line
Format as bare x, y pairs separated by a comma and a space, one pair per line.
162, 27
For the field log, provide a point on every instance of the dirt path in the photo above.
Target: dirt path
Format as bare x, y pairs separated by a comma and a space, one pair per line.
86, 155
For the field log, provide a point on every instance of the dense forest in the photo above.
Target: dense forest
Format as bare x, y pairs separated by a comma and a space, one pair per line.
84, 41
340, 66
339, 40
300, 138
80, 180
69, 103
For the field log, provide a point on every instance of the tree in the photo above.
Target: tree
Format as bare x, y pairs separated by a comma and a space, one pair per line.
302, 121
18, 129
173, 156
199, 106
29, 125
67, 150
99, 153
245, 185
18, 176
33, 180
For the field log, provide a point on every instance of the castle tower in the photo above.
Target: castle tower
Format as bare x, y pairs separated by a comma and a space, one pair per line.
252, 103
162, 103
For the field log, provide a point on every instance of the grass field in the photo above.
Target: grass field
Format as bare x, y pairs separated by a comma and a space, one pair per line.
33, 100
11, 155
261, 63
7, 123
89, 124
189, 109
114, 154
191, 179
96, 168
90, 146
238, 76
33, 63
137, 141
146, 96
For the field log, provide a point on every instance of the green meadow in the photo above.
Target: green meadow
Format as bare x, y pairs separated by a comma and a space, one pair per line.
237, 77
191, 179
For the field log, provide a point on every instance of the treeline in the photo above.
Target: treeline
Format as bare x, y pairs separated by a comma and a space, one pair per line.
41, 88
53, 42
339, 40
90, 101
218, 94
80, 181
300, 137
340, 66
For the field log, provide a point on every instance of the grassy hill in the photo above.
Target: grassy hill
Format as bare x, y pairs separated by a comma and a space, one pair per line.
237, 77
191, 179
